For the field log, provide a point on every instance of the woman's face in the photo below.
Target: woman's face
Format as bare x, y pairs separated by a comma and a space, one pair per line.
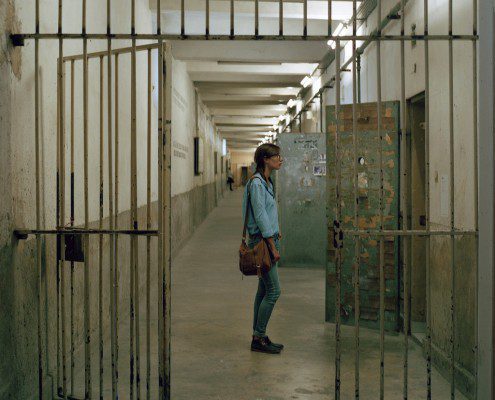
274, 162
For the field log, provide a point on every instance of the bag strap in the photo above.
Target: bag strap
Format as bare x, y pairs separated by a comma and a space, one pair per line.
248, 203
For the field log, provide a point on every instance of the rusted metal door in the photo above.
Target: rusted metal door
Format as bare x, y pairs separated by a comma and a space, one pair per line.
368, 212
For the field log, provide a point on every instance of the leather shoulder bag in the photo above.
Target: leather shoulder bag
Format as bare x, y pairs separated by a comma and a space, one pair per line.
257, 260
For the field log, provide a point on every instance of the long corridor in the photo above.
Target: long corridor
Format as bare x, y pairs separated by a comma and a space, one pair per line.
211, 330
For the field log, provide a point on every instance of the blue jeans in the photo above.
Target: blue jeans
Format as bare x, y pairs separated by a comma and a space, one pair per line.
267, 294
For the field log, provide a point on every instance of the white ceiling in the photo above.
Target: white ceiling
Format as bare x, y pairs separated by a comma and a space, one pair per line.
246, 84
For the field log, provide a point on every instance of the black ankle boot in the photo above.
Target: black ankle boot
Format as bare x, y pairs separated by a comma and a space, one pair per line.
276, 345
262, 345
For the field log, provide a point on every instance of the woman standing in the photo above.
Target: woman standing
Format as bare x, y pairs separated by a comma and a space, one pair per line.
262, 224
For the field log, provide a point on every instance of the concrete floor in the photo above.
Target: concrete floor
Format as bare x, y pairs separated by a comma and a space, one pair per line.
212, 311
211, 333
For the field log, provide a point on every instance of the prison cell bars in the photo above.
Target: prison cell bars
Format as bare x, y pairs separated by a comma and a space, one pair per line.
113, 232
381, 233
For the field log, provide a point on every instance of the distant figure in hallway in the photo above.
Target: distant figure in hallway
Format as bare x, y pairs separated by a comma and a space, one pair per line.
262, 224
230, 180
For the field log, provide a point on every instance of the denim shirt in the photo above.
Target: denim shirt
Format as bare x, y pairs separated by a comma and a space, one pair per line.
262, 215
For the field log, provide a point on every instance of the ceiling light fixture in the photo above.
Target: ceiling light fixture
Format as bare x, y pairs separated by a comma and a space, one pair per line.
307, 81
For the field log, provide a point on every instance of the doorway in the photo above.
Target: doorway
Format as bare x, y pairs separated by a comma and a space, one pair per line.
416, 213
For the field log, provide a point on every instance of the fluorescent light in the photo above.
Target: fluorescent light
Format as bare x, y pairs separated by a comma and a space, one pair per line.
337, 32
307, 81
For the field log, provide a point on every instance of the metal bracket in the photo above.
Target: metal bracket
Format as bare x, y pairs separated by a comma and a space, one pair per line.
17, 40
338, 235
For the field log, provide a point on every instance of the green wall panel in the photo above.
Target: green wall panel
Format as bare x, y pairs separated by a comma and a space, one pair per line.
301, 194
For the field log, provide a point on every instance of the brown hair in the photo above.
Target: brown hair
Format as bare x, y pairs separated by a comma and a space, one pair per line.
265, 150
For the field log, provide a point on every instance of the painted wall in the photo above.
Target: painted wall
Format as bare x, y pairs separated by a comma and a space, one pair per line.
193, 195
240, 159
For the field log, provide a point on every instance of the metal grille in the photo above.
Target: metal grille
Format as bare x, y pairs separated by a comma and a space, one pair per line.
161, 227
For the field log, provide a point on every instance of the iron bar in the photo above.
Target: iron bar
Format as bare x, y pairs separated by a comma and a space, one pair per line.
77, 231
427, 202
475, 169
305, 18
57, 223
182, 18
338, 250
322, 124
256, 18
167, 37
72, 216
357, 239
207, 16
167, 188
281, 17
403, 202
380, 163
61, 195
133, 293
410, 232
100, 244
38, 198
116, 221
330, 18
121, 50
232, 31
87, 326
148, 226
160, 255
452, 203
113, 268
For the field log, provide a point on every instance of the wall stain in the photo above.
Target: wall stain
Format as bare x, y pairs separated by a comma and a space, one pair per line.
12, 24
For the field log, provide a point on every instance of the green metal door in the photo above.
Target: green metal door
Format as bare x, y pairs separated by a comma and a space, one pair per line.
302, 193
368, 206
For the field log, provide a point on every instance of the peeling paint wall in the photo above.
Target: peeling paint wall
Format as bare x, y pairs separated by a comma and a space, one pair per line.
368, 144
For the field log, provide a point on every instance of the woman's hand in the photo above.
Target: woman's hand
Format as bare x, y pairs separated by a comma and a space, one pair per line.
273, 249
276, 254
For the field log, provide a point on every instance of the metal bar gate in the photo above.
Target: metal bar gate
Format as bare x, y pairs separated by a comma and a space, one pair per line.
158, 230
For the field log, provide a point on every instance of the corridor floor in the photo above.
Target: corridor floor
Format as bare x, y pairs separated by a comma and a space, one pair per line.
211, 331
